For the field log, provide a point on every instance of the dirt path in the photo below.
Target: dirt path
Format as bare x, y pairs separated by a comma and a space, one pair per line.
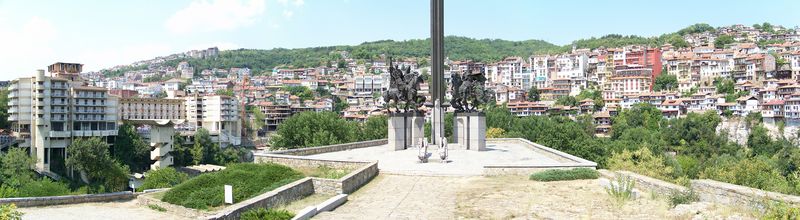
507, 197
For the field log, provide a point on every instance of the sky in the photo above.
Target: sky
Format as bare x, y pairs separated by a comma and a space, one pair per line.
102, 34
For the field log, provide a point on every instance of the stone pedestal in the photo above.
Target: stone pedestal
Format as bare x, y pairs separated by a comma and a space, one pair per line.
405, 130
469, 130
437, 124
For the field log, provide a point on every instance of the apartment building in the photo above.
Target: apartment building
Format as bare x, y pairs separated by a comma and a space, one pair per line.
218, 114
152, 109
48, 112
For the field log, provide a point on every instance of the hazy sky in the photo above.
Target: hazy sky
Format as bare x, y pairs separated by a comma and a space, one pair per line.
100, 34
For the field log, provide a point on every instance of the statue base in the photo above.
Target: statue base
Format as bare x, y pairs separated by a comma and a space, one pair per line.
469, 130
405, 130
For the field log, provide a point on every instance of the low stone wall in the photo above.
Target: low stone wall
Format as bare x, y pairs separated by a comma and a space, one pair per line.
361, 172
283, 195
730, 194
146, 199
72, 199
358, 178
711, 191
331, 148
646, 182
300, 161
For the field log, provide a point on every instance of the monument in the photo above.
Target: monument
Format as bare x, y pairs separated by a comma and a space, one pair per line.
469, 94
406, 122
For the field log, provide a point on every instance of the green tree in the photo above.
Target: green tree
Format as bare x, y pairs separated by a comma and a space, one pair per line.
204, 149
4, 124
567, 101
665, 82
309, 129
723, 40
92, 158
225, 92
130, 149
258, 118
376, 127
182, 151
17, 167
761, 143
533, 94
163, 178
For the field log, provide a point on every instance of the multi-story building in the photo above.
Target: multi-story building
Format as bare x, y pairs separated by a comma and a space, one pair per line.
218, 114
48, 112
152, 109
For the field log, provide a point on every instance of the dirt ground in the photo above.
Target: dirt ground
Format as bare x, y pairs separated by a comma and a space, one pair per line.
126, 210
507, 197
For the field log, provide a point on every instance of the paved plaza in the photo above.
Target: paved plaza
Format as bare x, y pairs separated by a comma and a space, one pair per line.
460, 162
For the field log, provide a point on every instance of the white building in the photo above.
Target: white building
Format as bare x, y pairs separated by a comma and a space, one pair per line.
48, 112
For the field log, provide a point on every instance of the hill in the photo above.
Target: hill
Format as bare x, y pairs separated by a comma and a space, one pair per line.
456, 48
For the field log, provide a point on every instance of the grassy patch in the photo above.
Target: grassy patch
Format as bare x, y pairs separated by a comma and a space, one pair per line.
156, 207
323, 171
621, 189
247, 179
681, 197
560, 175
270, 214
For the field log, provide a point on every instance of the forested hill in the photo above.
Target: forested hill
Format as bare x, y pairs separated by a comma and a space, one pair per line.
456, 48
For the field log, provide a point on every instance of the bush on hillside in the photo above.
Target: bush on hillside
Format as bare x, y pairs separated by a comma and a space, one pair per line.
266, 214
561, 175
248, 180
43, 187
163, 178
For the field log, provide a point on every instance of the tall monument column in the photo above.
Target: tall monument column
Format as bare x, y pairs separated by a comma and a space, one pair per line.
437, 85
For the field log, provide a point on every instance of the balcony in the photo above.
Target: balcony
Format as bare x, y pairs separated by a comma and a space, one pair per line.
58, 103
59, 134
58, 94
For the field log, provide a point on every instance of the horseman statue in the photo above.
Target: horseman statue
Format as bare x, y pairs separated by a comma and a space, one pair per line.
469, 91
403, 88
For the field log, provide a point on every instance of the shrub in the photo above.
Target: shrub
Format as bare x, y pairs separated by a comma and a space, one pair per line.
495, 133
10, 212
682, 197
8, 192
780, 210
621, 189
157, 208
266, 214
329, 172
43, 187
163, 178
559, 175
247, 179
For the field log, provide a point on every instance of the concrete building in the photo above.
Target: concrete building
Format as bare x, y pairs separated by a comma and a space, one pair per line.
48, 112
218, 114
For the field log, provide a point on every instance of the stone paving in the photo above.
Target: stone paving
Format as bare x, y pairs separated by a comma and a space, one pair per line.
460, 162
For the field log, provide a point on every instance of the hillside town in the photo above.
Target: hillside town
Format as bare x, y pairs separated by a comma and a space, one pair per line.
764, 78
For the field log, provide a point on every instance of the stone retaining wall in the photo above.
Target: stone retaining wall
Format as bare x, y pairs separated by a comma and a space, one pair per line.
146, 199
71, 199
730, 194
524, 170
331, 148
711, 191
283, 195
358, 178
300, 161
646, 182
361, 172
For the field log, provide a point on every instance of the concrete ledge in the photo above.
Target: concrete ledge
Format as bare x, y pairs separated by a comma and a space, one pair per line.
332, 203
553, 153
331, 148
524, 170
731, 194
71, 199
306, 213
